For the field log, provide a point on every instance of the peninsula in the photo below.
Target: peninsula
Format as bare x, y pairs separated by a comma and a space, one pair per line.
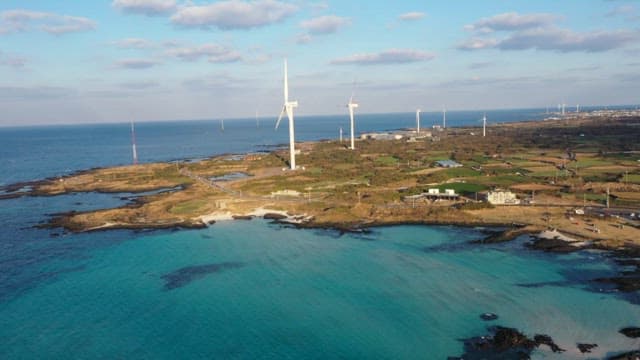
579, 176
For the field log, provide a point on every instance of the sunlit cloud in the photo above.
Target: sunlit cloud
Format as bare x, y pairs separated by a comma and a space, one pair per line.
234, 14
392, 56
19, 20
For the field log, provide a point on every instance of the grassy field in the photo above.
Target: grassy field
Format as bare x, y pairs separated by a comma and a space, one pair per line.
369, 183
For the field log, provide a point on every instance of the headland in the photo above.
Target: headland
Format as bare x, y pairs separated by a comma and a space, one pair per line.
577, 178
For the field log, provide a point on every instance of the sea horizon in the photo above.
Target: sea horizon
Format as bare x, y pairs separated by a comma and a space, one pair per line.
546, 111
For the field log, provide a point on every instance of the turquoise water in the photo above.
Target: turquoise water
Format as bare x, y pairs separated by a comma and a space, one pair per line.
254, 290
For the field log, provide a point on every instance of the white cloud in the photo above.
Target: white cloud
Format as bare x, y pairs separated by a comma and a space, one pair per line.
328, 24
566, 40
12, 60
135, 64
319, 6
511, 21
411, 16
392, 56
19, 20
133, 43
304, 39
234, 14
139, 85
34, 92
622, 10
477, 44
537, 31
213, 52
145, 7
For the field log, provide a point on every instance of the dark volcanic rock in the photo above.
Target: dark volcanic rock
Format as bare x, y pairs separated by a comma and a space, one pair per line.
586, 348
505, 343
631, 332
623, 283
546, 340
552, 245
500, 236
242, 217
488, 316
274, 216
508, 338
631, 355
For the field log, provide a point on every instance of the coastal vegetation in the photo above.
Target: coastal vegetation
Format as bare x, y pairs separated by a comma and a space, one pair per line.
555, 167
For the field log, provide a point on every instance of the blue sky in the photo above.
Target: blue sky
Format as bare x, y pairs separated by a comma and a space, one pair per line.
114, 60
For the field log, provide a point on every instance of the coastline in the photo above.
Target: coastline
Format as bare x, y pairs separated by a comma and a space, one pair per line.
352, 190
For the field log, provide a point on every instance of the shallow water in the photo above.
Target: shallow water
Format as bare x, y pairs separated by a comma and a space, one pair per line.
251, 290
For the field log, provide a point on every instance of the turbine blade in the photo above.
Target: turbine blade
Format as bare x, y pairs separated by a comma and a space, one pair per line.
286, 83
284, 108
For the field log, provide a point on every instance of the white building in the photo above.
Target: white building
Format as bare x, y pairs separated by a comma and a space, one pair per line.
502, 198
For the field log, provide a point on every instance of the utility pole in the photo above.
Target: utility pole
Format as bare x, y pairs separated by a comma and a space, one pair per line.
607, 197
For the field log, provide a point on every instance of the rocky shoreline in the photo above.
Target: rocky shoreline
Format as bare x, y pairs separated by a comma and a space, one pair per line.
509, 343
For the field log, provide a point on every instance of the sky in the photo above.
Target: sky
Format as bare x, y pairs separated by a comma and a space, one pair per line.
116, 60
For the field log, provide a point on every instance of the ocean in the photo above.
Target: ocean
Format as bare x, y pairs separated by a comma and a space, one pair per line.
259, 290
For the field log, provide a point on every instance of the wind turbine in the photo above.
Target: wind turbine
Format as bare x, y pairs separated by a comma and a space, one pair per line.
484, 125
418, 121
288, 108
352, 105
444, 117
133, 143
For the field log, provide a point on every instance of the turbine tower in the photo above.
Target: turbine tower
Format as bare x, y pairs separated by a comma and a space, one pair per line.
133, 143
444, 117
288, 108
352, 105
418, 121
484, 125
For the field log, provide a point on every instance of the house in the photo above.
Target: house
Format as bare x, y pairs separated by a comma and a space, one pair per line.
448, 164
286, 192
435, 194
502, 198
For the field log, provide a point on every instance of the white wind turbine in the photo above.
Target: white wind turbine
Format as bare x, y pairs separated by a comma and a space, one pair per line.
133, 143
418, 121
484, 125
444, 117
352, 105
288, 108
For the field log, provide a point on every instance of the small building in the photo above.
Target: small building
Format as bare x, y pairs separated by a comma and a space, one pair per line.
381, 136
288, 193
435, 194
448, 164
502, 198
